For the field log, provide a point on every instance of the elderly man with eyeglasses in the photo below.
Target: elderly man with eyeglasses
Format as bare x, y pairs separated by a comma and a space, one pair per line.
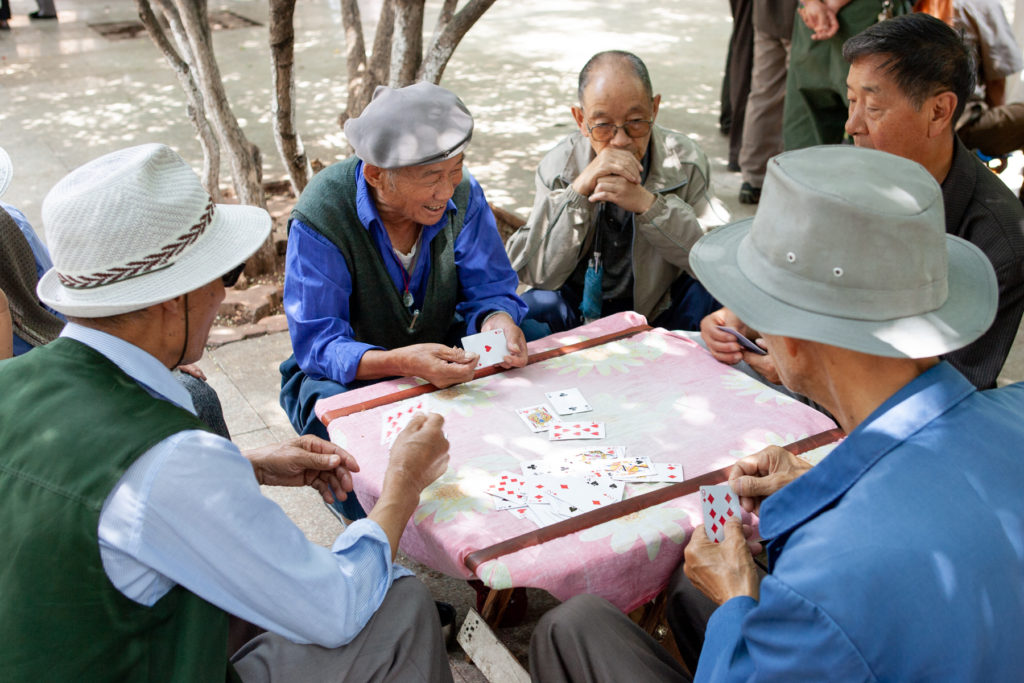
619, 204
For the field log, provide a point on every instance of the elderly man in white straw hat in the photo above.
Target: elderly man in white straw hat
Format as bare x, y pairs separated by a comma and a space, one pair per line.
123, 547
900, 555
393, 256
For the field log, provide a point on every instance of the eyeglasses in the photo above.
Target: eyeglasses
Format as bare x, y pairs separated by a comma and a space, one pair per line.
636, 128
230, 278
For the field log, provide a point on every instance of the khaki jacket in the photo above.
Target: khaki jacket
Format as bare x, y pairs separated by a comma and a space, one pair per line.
560, 230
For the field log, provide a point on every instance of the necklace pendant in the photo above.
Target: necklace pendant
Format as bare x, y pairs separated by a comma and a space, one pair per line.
407, 299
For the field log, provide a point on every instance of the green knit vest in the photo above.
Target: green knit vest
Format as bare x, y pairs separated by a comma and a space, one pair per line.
377, 315
71, 423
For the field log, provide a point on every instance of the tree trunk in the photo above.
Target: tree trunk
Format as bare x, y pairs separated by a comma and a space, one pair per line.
407, 45
365, 75
447, 39
282, 51
243, 156
195, 108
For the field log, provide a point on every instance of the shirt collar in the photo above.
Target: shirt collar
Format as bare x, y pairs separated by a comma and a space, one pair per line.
901, 415
134, 362
367, 210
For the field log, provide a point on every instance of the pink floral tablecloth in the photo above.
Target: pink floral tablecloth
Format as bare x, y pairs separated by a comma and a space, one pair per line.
659, 394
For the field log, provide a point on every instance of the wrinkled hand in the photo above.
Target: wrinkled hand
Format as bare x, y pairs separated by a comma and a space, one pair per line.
305, 461
764, 365
757, 476
419, 455
514, 338
722, 345
721, 571
193, 369
623, 193
820, 18
440, 365
610, 162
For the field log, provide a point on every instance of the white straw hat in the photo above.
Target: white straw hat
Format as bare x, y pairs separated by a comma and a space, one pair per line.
849, 248
135, 228
6, 171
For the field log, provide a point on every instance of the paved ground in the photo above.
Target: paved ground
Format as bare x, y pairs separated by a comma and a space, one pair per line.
69, 95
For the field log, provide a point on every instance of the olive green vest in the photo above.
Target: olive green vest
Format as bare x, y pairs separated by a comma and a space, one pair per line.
377, 315
71, 423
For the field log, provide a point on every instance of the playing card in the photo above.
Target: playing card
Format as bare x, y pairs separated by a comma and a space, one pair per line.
670, 472
744, 341
563, 431
538, 418
720, 504
396, 419
490, 346
630, 469
568, 401
506, 486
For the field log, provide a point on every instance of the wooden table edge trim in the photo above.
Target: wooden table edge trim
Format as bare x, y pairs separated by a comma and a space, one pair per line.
330, 415
630, 505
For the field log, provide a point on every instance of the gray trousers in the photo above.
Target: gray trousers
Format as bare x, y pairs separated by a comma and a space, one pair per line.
46, 7
762, 122
401, 642
586, 639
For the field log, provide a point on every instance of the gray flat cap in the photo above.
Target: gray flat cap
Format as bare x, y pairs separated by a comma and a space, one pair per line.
411, 126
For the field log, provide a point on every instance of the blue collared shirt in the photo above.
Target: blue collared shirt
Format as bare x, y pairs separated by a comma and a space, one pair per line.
899, 557
318, 284
189, 512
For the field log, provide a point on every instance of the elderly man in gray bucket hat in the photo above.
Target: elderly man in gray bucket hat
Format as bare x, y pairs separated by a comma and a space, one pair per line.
122, 549
899, 556
393, 256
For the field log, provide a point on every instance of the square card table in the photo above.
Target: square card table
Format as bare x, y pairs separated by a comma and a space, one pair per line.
658, 393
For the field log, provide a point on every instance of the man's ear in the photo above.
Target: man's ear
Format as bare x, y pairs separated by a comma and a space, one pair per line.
374, 175
654, 109
940, 113
577, 115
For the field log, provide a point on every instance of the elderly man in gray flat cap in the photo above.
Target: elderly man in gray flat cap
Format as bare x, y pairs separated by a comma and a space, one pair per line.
393, 256
899, 556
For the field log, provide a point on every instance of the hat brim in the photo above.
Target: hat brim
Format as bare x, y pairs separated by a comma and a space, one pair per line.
234, 234
6, 171
967, 313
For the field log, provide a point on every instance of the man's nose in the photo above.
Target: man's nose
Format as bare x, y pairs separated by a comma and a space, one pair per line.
620, 139
854, 122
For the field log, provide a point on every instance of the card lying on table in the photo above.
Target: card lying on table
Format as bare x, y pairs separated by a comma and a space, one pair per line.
563, 431
568, 401
720, 504
491, 346
538, 418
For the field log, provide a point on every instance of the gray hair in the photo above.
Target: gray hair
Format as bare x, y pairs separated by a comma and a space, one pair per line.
634, 62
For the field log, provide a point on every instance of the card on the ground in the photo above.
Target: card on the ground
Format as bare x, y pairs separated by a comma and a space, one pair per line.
568, 401
396, 419
720, 504
744, 341
564, 431
538, 418
491, 346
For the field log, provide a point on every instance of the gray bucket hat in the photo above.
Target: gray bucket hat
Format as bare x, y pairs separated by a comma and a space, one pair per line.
849, 248
416, 125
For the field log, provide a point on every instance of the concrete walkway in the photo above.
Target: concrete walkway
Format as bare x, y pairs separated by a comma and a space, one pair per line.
69, 95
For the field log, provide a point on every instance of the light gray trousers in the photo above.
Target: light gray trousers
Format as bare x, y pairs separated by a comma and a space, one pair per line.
402, 642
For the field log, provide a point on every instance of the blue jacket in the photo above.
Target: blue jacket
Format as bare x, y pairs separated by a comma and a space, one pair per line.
317, 283
900, 557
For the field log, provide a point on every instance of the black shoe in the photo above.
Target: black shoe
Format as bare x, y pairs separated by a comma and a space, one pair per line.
733, 167
37, 15
4, 26
749, 194
447, 614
